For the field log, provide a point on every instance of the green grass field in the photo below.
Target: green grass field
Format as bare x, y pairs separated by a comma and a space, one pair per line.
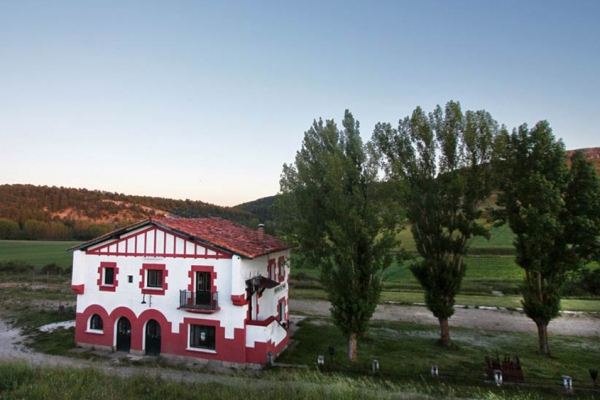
408, 350
37, 253
501, 240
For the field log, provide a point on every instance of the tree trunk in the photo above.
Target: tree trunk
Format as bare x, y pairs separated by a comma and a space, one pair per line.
543, 337
445, 332
352, 348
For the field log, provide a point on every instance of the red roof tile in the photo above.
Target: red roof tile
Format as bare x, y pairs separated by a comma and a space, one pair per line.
225, 234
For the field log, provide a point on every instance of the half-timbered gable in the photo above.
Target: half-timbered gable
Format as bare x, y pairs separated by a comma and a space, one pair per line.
155, 242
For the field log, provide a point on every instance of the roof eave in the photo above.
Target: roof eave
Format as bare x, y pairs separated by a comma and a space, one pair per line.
111, 235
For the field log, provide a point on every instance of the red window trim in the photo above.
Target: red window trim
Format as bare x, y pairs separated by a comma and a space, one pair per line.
285, 314
271, 270
100, 281
144, 274
281, 268
187, 322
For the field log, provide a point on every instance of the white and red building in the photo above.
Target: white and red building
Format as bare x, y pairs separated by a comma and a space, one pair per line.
202, 288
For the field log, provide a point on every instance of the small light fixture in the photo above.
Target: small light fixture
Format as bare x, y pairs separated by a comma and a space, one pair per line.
144, 299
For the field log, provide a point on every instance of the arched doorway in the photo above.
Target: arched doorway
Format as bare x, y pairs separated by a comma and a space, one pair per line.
123, 335
153, 336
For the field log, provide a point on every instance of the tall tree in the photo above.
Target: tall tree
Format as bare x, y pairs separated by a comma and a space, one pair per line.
554, 213
441, 163
332, 207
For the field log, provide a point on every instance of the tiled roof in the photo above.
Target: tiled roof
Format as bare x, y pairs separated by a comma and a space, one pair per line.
224, 234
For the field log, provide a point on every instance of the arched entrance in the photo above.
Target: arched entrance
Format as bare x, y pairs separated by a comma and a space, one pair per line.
153, 336
123, 335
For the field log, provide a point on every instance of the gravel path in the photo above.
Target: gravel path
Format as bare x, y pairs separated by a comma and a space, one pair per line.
577, 324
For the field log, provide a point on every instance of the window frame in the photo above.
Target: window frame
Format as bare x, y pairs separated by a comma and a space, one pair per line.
101, 281
155, 278
106, 274
196, 330
144, 281
281, 268
271, 269
93, 323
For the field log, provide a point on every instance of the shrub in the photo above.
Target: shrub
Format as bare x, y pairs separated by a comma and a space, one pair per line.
15, 266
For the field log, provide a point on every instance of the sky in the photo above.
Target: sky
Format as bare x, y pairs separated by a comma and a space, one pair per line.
206, 100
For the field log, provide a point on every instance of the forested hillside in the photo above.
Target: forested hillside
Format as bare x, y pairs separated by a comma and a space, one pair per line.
262, 208
56, 213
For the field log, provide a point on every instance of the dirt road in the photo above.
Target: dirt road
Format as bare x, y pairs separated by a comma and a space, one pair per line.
567, 324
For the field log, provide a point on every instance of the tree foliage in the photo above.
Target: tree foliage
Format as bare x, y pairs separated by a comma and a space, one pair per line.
554, 213
333, 208
441, 163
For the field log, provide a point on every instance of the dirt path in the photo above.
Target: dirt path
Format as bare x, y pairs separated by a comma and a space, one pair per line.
576, 324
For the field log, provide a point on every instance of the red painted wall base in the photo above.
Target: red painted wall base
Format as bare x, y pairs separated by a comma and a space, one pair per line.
175, 344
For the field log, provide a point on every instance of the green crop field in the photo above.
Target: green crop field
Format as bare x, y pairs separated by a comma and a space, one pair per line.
37, 253
500, 241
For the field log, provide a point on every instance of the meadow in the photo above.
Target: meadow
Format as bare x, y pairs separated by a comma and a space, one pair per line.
37, 253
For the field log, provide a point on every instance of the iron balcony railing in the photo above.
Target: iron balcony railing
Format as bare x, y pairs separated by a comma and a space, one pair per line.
199, 300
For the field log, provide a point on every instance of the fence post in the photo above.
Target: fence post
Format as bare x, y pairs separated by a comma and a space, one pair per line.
375, 366
434, 371
567, 384
498, 377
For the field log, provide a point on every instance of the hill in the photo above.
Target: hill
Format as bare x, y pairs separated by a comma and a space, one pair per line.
260, 207
591, 153
58, 213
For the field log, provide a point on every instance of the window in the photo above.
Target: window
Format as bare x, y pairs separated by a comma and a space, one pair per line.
281, 264
155, 278
281, 312
96, 323
271, 269
130, 278
109, 276
202, 337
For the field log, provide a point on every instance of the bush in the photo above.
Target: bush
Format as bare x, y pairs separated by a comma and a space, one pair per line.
15, 266
583, 283
52, 268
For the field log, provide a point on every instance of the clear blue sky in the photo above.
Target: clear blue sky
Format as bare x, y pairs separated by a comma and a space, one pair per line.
207, 99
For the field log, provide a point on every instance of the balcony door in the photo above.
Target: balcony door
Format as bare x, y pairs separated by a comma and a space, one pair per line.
203, 288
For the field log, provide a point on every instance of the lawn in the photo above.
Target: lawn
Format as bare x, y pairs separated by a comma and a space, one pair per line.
407, 351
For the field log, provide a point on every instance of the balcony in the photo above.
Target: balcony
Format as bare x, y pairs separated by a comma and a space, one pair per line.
199, 302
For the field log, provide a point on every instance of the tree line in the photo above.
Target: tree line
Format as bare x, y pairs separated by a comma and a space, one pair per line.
343, 201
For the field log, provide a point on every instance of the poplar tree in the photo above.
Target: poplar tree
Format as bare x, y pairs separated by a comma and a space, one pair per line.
441, 163
554, 212
331, 206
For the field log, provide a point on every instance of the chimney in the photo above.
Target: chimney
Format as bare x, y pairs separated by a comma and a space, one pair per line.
261, 232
